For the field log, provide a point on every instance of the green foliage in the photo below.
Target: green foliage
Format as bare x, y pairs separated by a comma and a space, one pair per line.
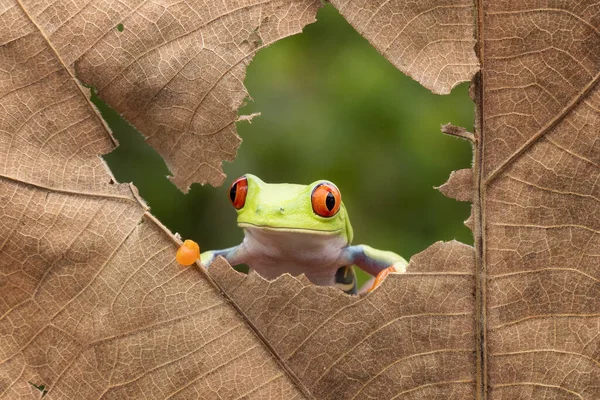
332, 108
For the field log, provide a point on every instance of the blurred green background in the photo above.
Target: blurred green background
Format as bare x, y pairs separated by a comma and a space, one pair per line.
332, 108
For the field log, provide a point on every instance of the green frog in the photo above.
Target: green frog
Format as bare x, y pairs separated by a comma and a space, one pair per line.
300, 229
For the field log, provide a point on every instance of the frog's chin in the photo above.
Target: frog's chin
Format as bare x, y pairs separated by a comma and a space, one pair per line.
247, 225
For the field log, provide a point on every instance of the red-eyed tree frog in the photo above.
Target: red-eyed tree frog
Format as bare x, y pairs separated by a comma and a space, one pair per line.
300, 229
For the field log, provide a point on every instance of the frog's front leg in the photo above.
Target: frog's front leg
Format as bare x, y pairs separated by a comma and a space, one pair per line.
231, 255
378, 263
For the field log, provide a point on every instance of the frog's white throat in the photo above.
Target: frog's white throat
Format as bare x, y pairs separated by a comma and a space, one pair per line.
272, 251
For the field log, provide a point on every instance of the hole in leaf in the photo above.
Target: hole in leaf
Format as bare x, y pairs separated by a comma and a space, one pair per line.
120, 27
332, 108
41, 388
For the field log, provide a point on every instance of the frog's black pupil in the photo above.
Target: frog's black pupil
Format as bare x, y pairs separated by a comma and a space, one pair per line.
232, 192
330, 201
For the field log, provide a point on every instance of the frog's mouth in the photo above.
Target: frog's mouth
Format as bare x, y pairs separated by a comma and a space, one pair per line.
247, 225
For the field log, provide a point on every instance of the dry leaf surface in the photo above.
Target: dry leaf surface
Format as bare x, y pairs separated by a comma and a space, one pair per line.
429, 40
413, 338
540, 194
94, 306
176, 71
459, 185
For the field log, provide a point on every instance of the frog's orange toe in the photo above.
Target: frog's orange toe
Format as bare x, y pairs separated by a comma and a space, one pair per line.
381, 277
188, 253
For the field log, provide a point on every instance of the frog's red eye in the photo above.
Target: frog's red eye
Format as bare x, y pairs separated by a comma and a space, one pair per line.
238, 191
326, 199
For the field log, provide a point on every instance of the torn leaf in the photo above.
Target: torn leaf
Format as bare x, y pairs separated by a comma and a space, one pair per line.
459, 185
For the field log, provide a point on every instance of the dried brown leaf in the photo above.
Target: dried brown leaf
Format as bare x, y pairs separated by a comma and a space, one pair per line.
413, 337
176, 72
459, 185
458, 131
539, 116
94, 306
431, 41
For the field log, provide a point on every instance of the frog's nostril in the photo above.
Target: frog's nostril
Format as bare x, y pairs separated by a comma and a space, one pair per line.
281, 210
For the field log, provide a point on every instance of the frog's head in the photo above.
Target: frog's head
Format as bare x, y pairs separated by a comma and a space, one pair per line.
315, 208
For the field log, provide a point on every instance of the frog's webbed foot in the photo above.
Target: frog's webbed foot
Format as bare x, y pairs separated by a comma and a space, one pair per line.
378, 263
231, 255
188, 253
396, 268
